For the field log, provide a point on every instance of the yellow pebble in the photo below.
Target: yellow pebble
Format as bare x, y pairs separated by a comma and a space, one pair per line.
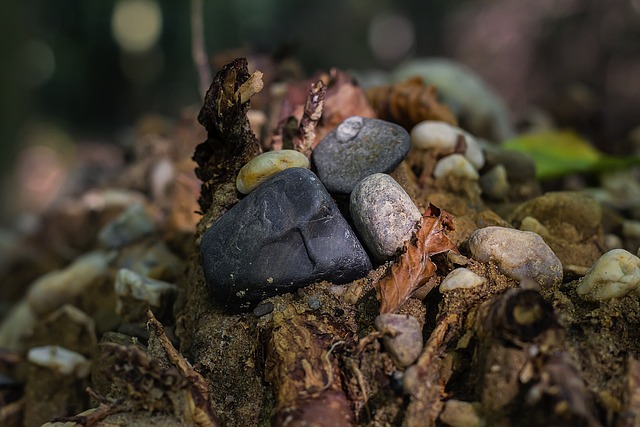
264, 166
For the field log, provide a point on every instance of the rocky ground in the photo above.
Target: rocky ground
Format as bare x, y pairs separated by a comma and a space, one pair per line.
391, 265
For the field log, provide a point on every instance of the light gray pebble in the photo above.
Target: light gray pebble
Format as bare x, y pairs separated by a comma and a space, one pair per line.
518, 254
403, 339
383, 214
133, 224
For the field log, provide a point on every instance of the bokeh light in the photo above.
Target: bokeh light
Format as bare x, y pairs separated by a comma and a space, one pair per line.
136, 25
391, 37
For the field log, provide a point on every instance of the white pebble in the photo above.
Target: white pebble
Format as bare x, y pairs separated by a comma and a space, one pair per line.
461, 278
60, 359
614, 275
455, 165
349, 128
264, 166
435, 135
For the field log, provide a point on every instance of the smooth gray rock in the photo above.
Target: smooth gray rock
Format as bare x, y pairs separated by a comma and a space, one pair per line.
357, 148
286, 234
383, 214
403, 341
518, 254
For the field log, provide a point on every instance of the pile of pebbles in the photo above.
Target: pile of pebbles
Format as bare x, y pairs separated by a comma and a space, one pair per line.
288, 232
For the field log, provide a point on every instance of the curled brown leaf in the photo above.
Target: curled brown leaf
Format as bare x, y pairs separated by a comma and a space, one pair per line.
414, 267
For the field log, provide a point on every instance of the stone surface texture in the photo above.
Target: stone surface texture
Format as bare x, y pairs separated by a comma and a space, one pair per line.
286, 234
518, 254
383, 214
357, 148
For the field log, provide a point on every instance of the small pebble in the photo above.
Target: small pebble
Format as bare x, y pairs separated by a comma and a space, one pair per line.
263, 309
60, 359
264, 166
132, 224
285, 234
461, 278
494, 183
357, 148
135, 292
455, 165
383, 214
314, 303
529, 223
404, 339
614, 275
457, 413
518, 254
442, 137
55, 385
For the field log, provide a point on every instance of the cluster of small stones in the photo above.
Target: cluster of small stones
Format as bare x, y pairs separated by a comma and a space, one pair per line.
288, 231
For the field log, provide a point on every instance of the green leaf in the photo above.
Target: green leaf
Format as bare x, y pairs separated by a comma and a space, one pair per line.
559, 153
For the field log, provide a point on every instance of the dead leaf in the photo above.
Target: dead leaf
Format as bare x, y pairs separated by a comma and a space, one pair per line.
312, 113
409, 103
342, 98
415, 266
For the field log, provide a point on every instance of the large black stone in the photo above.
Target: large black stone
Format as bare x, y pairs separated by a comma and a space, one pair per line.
356, 148
286, 234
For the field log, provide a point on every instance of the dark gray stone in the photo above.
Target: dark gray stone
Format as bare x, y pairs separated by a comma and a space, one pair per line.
286, 234
356, 148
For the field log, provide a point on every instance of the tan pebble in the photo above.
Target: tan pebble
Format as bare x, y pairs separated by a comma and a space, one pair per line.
461, 278
614, 275
264, 166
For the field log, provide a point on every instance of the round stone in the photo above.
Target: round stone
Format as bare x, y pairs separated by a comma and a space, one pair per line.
264, 166
357, 148
383, 214
403, 337
285, 234
518, 254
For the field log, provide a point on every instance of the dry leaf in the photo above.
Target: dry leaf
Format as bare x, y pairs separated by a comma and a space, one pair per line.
312, 113
342, 98
409, 103
414, 266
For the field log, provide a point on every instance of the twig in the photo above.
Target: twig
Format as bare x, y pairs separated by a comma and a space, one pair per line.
198, 51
